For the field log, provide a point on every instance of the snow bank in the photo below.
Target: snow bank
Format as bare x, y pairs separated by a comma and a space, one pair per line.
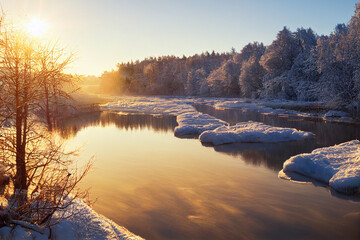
196, 123
337, 116
282, 103
179, 105
190, 121
338, 166
83, 223
264, 107
90, 225
151, 105
251, 132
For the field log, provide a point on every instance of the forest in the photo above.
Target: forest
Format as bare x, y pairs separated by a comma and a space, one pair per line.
298, 65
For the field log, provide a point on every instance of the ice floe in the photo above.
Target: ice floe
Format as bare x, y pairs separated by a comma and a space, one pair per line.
251, 132
338, 166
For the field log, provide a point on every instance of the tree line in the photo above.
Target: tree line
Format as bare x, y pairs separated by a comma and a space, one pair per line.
298, 65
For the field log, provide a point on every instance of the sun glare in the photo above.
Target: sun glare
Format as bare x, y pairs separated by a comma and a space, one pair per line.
36, 27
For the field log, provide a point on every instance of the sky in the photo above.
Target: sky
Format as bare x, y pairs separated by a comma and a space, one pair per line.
103, 33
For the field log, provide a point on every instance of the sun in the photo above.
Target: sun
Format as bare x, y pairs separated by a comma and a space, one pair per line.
36, 27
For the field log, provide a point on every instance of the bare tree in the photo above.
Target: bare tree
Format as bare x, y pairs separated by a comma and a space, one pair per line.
43, 175
55, 85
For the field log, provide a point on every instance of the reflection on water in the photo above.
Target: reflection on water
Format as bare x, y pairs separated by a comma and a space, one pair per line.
273, 155
326, 133
270, 155
70, 127
163, 187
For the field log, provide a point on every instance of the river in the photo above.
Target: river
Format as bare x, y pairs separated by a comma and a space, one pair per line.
162, 187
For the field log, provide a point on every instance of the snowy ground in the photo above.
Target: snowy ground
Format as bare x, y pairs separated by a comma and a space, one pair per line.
84, 224
338, 166
251, 132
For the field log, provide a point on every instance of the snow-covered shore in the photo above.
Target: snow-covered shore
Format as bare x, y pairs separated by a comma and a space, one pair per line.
338, 166
151, 105
83, 223
179, 105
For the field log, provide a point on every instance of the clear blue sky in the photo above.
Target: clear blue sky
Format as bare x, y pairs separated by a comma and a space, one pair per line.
105, 32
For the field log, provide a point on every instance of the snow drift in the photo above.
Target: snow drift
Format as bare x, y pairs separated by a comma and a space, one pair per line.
338, 166
251, 132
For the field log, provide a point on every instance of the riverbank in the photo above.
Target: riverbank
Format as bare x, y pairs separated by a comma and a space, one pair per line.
316, 111
80, 222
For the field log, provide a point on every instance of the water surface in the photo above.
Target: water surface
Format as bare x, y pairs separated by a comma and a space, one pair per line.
162, 187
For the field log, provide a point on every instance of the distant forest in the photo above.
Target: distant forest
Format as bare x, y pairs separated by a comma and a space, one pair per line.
298, 65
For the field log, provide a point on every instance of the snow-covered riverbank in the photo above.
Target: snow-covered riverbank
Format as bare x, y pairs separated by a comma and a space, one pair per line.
178, 105
81, 222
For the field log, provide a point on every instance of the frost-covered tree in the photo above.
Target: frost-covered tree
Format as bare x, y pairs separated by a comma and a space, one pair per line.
194, 82
353, 39
223, 81
250, 79
280, 55
306, 38
338, 85
296, 65
254, 49
303, 75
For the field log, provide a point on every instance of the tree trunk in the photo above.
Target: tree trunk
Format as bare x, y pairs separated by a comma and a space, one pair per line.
20, 177
47, 107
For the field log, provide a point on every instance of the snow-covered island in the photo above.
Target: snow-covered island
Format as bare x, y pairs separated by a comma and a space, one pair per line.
338, 166
252, 132
196, 123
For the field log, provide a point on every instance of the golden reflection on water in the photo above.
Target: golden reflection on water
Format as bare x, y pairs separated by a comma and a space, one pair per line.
162, 187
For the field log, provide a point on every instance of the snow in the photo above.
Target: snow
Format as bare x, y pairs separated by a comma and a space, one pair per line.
151, 105
338, 166
335, 114
179, 105
281, 103
251, 132
196, 123
82, 222
267, 107
338, 116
